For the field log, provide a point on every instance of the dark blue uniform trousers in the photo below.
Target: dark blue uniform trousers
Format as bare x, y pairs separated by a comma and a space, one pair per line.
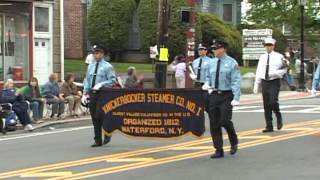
220, 115
270, 94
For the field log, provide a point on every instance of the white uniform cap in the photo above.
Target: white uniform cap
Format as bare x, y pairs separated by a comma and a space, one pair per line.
269, 41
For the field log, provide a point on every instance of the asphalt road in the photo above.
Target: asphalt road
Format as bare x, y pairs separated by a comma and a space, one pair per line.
64, 153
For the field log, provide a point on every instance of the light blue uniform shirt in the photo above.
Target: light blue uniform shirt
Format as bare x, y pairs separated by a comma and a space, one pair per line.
229, 77
105, 75
316, 78
203, 69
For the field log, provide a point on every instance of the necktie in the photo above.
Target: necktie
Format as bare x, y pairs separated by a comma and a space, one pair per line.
267, 69
95, 75
199, 70
216, 83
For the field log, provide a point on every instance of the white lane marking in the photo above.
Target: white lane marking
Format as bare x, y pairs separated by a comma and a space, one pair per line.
289, 112
21, 136
244, 107
312, 109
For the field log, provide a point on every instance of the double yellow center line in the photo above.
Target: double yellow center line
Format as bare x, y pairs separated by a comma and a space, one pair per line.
134, 162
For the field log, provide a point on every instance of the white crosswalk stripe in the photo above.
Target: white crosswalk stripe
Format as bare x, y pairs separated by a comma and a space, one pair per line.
303, 108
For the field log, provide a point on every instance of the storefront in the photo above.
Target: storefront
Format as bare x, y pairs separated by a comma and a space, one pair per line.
30, 40
16, 40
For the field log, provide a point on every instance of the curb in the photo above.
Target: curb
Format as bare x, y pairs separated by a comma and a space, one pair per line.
49, 123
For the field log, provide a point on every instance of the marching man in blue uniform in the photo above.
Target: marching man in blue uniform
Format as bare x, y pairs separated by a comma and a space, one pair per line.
200, 66
99, 74
316, 81
223, 84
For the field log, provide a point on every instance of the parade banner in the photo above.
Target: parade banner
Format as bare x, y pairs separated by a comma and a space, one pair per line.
161, 113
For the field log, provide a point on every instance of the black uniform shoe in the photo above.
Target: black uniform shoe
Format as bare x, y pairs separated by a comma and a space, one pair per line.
267, 130
279, 124
96, 144
107, 139
217, 154
233, 149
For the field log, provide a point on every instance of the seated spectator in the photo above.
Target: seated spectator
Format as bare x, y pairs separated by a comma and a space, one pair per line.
19, 106
53, 96
133, 81
31, 93
71, 95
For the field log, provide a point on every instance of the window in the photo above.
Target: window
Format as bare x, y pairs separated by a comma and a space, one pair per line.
14, 38
16, 47
227, 12
41, 19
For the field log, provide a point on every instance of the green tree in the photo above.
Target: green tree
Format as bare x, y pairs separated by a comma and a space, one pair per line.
213, 27
148, 12
109, 23
275, 13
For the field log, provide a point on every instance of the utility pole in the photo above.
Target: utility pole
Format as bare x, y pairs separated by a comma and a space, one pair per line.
190, 39
301, 80
163, 21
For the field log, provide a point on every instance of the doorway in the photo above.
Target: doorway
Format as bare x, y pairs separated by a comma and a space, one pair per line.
42, 63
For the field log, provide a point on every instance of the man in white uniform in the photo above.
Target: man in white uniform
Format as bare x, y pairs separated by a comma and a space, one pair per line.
270, 70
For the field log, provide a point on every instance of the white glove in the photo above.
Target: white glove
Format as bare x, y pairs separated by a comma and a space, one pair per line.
84, 99
313, 92
235, 103
206, 87
97, 86
255, 88
193, 76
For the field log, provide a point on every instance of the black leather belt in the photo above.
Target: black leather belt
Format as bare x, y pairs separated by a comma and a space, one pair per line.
270, 80
220, 92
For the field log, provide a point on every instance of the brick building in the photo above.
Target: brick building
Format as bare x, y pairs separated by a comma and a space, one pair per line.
75, 44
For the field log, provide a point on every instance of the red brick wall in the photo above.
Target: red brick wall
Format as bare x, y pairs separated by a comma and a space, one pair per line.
73, 41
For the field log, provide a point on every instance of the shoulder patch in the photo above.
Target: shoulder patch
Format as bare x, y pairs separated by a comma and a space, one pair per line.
236, 67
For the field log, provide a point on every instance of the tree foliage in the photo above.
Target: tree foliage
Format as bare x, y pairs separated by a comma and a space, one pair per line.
213, 27
148, 12
109, 23
275, 13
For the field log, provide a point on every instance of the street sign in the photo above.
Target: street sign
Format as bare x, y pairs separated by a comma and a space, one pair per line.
164, 54
253, 43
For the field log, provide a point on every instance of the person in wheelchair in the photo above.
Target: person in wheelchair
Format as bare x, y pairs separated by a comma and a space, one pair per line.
10, 95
